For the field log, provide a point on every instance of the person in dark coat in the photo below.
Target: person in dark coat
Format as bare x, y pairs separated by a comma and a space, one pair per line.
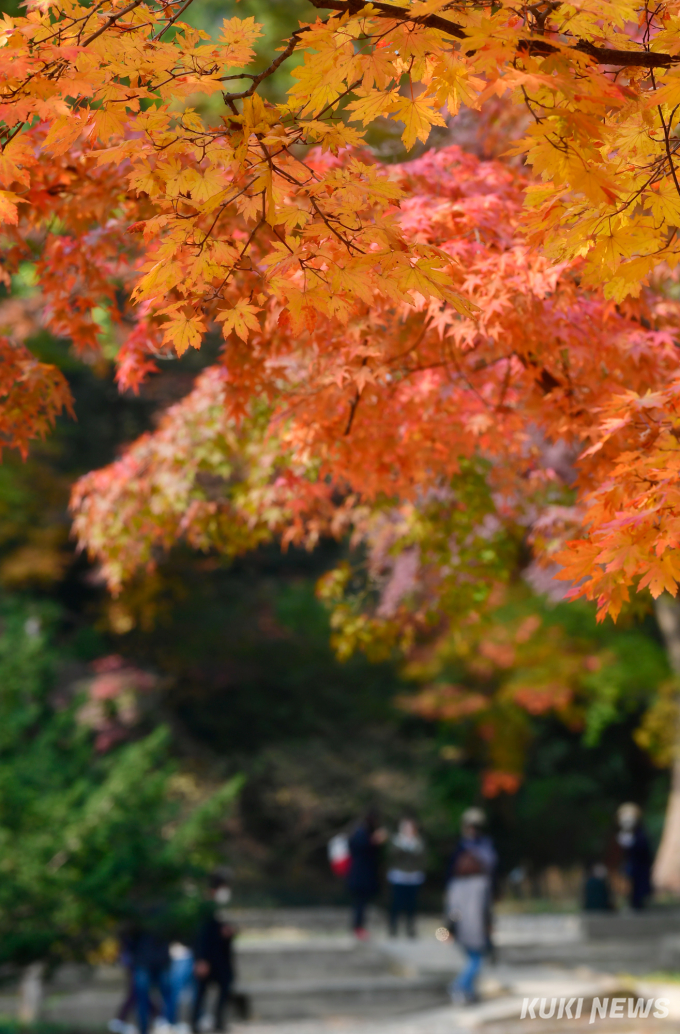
637, 854
363, 878
150, 957
214, 953
119, 1024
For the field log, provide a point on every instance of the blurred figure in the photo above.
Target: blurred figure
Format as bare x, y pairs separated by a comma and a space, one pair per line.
406, 872
363, 879
119, 1024
473, 840
516, 878
214, 957
632, 838
181, 978
596, 890
150, 954
468, 901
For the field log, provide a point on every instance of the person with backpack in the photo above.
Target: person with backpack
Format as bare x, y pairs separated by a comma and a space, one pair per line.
469, 901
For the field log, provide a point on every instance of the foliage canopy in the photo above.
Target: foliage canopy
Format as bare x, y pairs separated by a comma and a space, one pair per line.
380, 325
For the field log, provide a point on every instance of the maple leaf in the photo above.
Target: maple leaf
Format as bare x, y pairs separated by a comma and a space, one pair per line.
241, 320
62, 134
373, 103
184, 332
8, 207
238, 36
418, 115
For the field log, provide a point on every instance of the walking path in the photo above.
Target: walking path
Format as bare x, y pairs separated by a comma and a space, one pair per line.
307, 975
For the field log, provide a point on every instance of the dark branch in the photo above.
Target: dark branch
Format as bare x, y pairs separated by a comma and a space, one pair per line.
537, 47
111, 21
172, 20
257, 79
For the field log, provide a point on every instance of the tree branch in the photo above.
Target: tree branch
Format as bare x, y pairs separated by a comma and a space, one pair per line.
171, 21
257, 79
111, 21
537, 47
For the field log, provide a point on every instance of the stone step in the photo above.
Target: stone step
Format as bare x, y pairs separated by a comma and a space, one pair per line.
637, 955
319, 959
278, 981
383, 994
346, 996
656, 922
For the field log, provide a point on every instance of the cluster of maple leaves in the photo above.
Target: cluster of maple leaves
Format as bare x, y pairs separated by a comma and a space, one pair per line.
382, 326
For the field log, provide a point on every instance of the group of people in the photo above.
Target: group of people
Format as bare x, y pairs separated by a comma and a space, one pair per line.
468, 886
406, 871
470, 879
161, 973
173, 971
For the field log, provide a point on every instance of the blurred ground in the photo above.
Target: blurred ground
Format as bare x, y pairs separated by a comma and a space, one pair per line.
301, 972
447, 1021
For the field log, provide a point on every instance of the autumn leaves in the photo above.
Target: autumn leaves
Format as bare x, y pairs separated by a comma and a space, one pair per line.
390, 322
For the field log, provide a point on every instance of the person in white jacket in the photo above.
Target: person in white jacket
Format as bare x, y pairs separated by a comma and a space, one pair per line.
468, 903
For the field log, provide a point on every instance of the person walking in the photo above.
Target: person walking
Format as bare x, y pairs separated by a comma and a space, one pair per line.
120, 1023
468, 901
473, 840
214, 955
632, 838
406, 873
363, 879
150, 953
181, 981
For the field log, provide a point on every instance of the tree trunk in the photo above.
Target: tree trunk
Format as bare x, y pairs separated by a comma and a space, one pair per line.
666, 873
31, 993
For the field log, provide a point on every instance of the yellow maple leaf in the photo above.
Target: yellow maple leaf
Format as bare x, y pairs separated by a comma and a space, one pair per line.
184, 332
16, 155
371, 104
62, 133
669, 93
241, 319
378, 68
592, 182
665, 202
453, 85
238, 36
418, 115
108, 122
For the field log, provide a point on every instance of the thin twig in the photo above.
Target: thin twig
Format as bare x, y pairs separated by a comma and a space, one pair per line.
172, 20
257, 79
111, 21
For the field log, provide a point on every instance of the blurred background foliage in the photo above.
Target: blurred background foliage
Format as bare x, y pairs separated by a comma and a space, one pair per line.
245, 738
93, 831
247, 683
